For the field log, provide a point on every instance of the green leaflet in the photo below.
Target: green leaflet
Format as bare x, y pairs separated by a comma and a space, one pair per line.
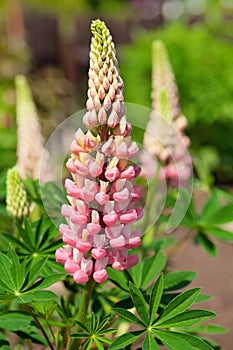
139, 303
179, 304
149, 343
178, 341
186, 319
156, 294
125, 340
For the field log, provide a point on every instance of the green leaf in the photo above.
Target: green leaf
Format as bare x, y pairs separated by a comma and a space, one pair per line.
211, 205
185, 319
41, 296
177, 280
139, 302
87, 345
206, 243
14, 321
152, 267
79, 335
202, 297
98, 344
136, 271
178, 341
5, 273
179, 304
6, 297
149, 343
128, 316
45, 282
15, 241
4, 342
118, 279
156, 294
125, 340
209, 329
15, 268
27, 235
34, 272
220, 233
219, 216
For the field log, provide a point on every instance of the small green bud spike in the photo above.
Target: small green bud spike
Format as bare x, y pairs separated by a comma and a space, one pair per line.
29, 138
16, 197
163, 79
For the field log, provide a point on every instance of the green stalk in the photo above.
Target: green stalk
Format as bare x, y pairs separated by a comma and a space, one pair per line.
39, 325
147, 237
84, 304
180, 243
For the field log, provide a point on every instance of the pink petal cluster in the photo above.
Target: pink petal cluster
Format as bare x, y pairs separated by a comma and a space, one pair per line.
102, 194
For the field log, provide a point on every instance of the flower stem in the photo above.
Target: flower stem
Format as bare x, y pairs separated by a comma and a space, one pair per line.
180, 243
84, 303
40, 326
148, 234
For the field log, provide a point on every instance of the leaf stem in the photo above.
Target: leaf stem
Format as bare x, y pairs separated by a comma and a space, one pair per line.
84, 304
39, 325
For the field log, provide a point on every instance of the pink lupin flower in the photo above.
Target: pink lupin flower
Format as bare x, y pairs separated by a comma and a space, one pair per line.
102, 195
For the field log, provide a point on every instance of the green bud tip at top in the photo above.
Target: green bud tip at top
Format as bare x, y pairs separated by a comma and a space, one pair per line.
100, 31
163, 79
16, 197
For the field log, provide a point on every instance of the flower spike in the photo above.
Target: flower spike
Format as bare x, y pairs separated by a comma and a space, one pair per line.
103, 197
170, 144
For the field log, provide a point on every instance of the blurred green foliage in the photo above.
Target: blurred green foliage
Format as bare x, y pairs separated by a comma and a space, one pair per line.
202, 65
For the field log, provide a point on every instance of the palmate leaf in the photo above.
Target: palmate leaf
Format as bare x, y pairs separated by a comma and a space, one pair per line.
129, 316
220, 233
6, 277
18, 269
139, 303
209, 329
118, 278
41, 296
179, 304
178, 341
155, 298
149, 343
152, 267
177, 280
125, 340
185, 319
206, 243
217, 216
44, 283
14, 321
17, 243
33, 273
